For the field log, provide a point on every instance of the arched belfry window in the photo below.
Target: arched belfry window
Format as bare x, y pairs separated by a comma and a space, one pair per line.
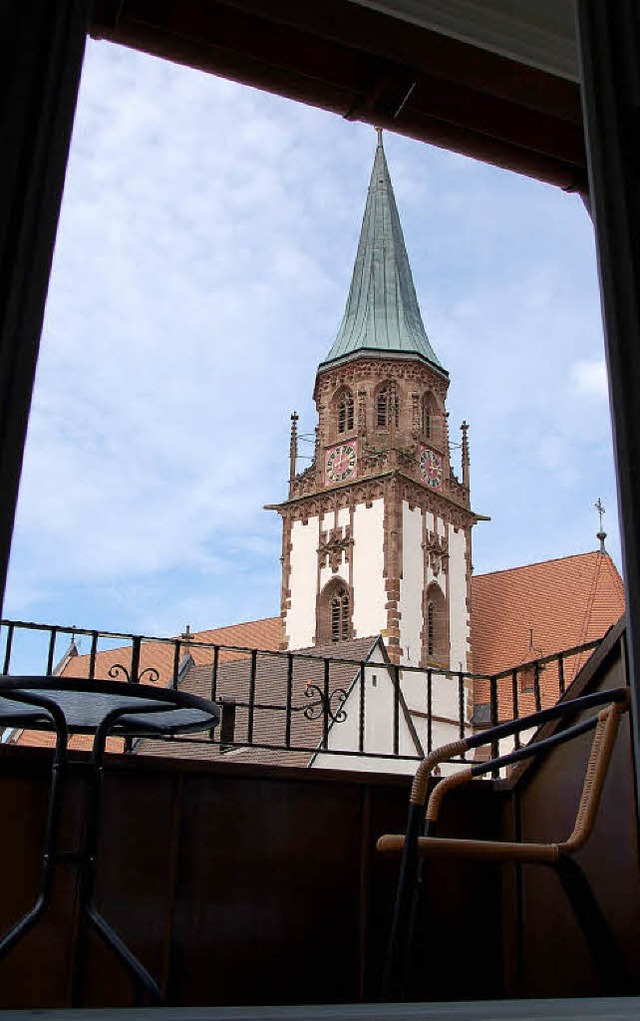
428, 416
386, 405
436, 627
334, 613
431, 629
340, 616
345, 411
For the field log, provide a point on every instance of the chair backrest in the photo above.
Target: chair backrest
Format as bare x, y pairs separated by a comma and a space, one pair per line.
603, 741
604, 727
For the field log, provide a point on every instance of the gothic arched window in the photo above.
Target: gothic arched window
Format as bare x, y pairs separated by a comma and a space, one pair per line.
340, 616
334, 613
436, 637
428, 416
431, 629
345, 411
386, 405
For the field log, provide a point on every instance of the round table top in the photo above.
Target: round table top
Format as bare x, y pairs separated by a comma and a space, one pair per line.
85, 704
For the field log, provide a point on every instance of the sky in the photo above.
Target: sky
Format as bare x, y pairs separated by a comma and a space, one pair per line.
203, 260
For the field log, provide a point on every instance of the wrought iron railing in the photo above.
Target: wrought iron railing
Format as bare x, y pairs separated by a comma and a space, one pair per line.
298, 707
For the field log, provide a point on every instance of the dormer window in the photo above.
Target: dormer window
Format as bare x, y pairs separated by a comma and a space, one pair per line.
345, 412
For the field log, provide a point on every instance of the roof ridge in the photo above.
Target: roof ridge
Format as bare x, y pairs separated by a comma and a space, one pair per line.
541, 563
240, 623
591, 598
618, 580
312, 650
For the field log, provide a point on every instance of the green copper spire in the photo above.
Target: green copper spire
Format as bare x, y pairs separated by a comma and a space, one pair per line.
382, 314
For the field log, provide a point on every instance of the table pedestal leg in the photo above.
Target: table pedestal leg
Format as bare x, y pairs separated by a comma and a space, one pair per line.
89, 914
51, 837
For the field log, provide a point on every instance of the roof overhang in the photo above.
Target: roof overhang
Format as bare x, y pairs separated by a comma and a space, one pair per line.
492, 79
376, 354
537, 33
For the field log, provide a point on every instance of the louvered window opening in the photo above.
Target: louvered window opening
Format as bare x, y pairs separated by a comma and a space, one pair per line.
431, 629
340, 617
426, 417
345, 413
384, 405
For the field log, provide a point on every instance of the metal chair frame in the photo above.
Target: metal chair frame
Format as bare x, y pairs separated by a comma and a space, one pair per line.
415, 846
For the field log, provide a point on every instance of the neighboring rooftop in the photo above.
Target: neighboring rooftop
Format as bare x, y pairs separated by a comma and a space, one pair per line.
525, 612
271, 682
382, 316
159, 656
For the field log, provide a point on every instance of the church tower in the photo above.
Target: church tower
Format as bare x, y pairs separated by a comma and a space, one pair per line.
377, 531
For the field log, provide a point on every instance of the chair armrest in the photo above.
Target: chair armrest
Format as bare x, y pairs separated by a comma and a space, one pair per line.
418, 794
618, 703
479, 768
419, 786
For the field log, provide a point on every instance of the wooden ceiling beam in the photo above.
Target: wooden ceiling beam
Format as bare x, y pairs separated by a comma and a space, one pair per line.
367, 66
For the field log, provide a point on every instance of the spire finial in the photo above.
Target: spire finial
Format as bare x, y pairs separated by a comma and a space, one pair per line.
464, 428
379, 133
601, 535
293, 445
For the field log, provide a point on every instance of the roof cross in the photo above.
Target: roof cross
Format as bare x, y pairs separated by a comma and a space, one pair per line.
601, 535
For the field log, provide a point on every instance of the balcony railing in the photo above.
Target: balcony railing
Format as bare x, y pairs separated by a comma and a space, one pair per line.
298, 708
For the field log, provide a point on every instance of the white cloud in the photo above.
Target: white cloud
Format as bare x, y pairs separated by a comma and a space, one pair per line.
204, 255
590, 378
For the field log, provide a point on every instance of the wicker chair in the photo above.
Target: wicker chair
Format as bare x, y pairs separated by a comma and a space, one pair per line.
423, 816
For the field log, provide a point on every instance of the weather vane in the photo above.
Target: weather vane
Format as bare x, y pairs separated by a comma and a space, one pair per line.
602, 535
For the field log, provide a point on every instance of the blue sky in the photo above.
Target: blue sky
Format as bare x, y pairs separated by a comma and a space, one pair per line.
203, 261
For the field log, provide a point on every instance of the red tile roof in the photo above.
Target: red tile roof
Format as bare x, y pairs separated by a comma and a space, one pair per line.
156, 655
77, 742
159, 655
567, 602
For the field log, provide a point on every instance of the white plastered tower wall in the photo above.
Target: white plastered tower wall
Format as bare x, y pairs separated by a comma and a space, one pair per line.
326, 573
459, 610
412, 585
369, 597
300, 615
450, 571
360, 567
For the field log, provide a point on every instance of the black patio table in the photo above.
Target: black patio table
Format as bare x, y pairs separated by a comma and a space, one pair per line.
102, 708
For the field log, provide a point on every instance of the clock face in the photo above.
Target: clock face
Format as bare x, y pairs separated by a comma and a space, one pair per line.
431, 468
341, 463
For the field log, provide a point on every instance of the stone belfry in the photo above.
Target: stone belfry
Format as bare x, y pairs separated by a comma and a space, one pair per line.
377, 531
